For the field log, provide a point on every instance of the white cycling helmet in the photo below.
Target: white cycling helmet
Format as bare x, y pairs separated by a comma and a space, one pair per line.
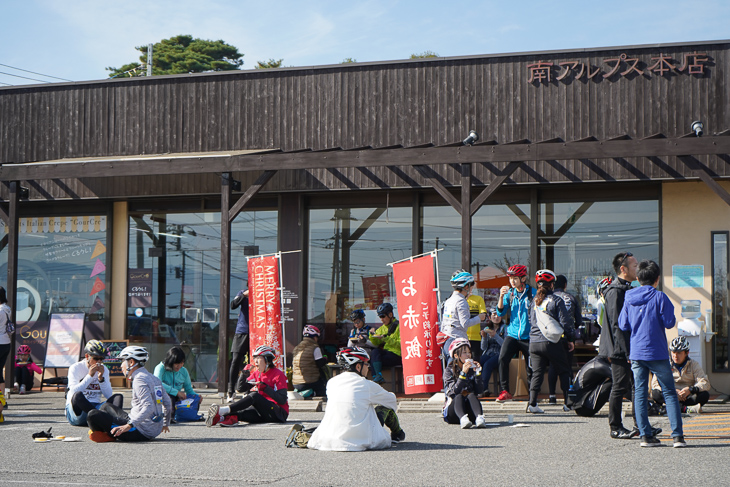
139, 354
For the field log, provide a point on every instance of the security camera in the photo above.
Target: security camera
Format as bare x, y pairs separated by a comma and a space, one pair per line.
698, 128
473, 137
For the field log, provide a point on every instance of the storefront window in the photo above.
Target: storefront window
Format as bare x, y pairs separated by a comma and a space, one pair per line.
348, 255
61, 269
719, 300
181, 255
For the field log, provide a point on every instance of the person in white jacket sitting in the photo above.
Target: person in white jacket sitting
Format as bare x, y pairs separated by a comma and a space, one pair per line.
88, 380
357, 410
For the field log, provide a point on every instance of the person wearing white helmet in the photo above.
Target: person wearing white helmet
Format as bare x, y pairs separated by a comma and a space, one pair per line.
690, 380
88, 380
357, 410
266, 401
151, 407
462, 384
456, 317
308, 376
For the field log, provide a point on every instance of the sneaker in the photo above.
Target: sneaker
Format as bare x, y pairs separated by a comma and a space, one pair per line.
534, 409
566, 408
552, 400
22, 389
623, 434
230, 398
696, 409
648, 441
307, 393
293, 432
16, 388
100, 437
679, 442
213, 416
378, 378
465, 422
504, 396
398, 437
229, 420
481, 422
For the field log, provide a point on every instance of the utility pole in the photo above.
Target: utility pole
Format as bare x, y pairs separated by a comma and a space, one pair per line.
149, 59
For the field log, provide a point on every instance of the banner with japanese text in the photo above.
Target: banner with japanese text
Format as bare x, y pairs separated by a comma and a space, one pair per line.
415, 284
376, 290
265, 305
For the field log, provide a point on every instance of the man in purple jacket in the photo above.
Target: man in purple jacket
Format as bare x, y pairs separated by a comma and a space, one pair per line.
646, 314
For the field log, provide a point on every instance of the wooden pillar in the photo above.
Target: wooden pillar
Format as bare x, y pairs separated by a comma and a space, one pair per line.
466, 217
11, 287
534, 232
225, 291
416, 225
291, 237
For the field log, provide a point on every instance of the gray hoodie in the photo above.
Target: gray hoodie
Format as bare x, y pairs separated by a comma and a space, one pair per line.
147, 390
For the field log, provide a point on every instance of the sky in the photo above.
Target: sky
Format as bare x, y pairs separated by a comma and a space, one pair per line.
77, 39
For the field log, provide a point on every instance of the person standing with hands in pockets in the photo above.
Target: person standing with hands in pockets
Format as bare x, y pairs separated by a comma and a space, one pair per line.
514, 300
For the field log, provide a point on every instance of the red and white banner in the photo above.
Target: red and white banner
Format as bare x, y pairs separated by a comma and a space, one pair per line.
264, 309
376, 290
415, 284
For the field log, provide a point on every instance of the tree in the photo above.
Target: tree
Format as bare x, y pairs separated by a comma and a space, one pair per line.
181, 55
271, 63
424, 54
348, 60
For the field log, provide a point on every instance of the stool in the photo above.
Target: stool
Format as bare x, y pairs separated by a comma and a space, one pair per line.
396, 378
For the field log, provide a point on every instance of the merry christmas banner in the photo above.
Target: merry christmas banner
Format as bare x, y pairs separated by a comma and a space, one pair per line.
265, 305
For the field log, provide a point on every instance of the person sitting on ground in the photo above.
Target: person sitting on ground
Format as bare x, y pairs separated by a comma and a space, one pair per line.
360, 333
457, 318
24, 370
88, 380
174, 377
462, 384
690, 380
646, 314
386, 339
266, 401
545, 347
308, 377
151, 407
357, 410
492, 338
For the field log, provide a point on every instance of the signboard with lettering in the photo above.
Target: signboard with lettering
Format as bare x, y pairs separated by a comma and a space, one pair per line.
139, 288
63, 348
113, 362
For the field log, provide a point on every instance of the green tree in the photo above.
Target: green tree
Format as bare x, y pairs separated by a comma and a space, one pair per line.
271, 63
181, 55
348, 60
424, 54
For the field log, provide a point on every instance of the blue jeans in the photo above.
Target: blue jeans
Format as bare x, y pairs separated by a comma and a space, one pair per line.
663, 372
78, 420
489, 363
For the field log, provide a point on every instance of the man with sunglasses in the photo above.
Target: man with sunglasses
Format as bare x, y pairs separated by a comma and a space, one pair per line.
614, 345
88, 380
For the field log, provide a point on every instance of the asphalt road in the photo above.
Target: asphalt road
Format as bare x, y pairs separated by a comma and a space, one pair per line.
554, 448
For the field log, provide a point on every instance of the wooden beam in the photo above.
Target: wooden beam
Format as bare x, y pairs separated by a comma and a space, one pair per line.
493, 186
427, 173
250, 193
704, 175
265, 161
572, 220
4, 214
466, 217
225, 284
12, 282
354, 236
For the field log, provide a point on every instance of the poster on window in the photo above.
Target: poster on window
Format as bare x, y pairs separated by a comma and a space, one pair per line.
415, 283
265, 305
139, 288
63, 347
376, 290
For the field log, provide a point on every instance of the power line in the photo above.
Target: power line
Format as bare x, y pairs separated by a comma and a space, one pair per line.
8, 84
24, 77
33, 72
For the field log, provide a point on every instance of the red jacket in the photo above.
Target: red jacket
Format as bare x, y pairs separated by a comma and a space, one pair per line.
275, 379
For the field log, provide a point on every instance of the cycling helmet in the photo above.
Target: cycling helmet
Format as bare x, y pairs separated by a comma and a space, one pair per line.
348, 357
545, 275
95, 348
24, 350
460, 279
264, 351
139, 354
456, 345
384, 309
517, 271
357, 314
310, 331
603, 285
679, 344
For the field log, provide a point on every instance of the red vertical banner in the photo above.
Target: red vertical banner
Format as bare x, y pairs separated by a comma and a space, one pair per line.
265, 305
376, 289
415, 284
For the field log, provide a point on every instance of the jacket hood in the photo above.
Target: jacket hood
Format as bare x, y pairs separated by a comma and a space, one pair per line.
640, 295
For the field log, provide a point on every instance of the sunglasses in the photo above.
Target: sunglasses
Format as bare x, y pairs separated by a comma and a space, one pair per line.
382, 316
626, 256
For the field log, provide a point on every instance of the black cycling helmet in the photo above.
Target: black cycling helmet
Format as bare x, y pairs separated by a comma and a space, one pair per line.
357, 314
95, 348
384, 309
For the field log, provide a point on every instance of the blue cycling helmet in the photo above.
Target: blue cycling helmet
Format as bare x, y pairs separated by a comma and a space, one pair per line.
460, 279
384, 309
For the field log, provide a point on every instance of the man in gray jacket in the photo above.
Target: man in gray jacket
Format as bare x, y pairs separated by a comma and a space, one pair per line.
151, 406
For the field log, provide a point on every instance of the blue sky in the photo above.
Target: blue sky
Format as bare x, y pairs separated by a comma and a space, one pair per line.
77, 39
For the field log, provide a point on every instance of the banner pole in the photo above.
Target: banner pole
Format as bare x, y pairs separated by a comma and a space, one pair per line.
273, 253
438, 280
414, 257
281, 305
